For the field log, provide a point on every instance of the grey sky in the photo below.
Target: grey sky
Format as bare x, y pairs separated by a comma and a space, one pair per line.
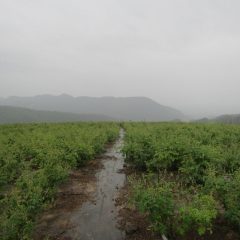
181, 53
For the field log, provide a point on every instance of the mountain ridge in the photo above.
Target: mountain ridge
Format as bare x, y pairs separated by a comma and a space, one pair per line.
120, 108
10, 114
224, 118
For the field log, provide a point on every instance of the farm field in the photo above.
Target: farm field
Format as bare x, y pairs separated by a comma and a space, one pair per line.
119, 120
186, 178
34, 160
182, 178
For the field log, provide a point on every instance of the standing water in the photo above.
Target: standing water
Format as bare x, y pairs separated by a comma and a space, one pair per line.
98, 220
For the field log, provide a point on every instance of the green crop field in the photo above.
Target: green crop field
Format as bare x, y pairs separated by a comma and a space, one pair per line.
34, 159
187, 177
190, 179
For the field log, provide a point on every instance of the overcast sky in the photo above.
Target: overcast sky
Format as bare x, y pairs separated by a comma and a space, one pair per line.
181, 53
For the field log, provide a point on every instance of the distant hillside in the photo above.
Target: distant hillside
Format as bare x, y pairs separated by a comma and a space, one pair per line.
227, 118
129, 108
10, 114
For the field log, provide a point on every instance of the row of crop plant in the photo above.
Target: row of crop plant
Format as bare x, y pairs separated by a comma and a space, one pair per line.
34, 160
190, 176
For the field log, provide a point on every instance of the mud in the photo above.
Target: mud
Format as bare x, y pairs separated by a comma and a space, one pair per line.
85, 207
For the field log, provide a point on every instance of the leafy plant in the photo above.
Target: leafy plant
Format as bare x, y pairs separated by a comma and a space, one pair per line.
34, 160
197, 215
157, 201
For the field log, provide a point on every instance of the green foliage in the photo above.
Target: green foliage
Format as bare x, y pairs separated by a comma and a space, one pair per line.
199, 159
34, 160
197, 216
139, 152
157, 201
167, 214
202, 161
231, 199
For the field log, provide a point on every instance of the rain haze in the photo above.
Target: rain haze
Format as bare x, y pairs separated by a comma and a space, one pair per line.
184, 54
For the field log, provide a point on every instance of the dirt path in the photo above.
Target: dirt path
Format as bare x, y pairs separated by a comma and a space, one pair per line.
85, 207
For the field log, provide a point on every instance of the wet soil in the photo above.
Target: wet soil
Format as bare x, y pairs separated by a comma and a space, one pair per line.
79, 188
85, 207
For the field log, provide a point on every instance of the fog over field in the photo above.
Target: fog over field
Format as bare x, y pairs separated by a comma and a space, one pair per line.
184, 54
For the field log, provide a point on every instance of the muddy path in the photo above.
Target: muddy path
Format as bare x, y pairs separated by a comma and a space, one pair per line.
85, 208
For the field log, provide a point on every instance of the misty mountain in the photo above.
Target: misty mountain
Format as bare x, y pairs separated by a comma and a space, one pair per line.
226, 118
128, 108
9, 114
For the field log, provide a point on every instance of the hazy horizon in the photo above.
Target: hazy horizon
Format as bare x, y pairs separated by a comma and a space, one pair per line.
180, 54
188, 113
